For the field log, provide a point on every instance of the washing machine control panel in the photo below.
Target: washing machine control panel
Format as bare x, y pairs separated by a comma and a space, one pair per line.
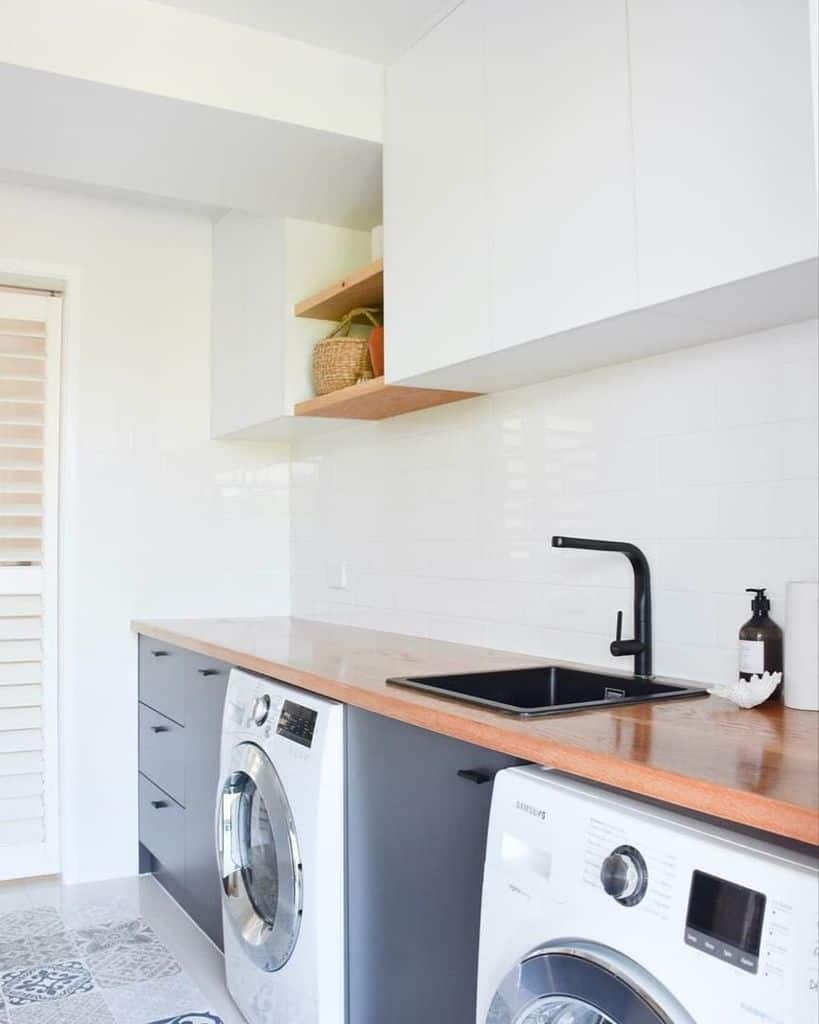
297, 723
725, 920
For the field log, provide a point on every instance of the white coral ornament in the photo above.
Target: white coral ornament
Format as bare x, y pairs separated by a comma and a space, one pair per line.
748, 694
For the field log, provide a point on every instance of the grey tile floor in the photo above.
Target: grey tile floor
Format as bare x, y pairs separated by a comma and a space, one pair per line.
117, 952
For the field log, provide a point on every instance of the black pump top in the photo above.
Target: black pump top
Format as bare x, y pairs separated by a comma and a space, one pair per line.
760, 604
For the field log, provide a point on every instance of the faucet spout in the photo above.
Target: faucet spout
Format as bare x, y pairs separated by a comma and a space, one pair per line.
641, 646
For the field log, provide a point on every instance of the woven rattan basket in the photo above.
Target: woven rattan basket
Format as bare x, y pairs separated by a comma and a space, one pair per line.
340, 361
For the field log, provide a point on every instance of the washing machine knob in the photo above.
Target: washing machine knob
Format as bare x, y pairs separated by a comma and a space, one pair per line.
261, 709
624, 875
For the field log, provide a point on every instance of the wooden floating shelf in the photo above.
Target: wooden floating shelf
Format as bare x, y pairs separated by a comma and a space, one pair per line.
375, 400
364, 287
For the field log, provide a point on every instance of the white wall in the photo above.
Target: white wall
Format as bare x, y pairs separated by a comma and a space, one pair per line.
706, 457
158, 520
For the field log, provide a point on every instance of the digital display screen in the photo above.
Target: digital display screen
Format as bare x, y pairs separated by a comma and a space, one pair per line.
297, 723
726, 912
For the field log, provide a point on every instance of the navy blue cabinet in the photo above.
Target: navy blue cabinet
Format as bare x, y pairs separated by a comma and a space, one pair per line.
417, 809
181, 697
417, 816
206, 684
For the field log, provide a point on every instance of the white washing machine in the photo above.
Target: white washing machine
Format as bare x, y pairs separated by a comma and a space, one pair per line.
602, 909
280, 841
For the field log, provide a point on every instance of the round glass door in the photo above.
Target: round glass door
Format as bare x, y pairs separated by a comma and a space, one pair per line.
561, 1010
259, 859
582, 983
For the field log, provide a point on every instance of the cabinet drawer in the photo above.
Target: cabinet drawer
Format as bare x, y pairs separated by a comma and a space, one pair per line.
162, 829
162, 677
162, 752
205, 676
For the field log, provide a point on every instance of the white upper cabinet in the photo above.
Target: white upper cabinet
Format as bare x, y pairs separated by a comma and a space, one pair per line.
560, 166
436, 258
574, 184
723, 141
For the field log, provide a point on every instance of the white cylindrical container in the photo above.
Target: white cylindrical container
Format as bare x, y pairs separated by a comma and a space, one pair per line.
801, 683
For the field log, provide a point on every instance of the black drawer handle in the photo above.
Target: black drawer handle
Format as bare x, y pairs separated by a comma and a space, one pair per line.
474, 776
208, 671
159, 804
160, 654
160, 728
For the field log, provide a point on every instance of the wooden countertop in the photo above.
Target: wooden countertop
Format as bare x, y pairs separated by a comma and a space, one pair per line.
758, 768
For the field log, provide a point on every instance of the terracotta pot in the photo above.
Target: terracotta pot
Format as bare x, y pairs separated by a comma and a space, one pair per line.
376, 347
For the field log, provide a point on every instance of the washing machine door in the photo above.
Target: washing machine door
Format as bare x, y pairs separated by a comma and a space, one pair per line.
577, 982
259, 859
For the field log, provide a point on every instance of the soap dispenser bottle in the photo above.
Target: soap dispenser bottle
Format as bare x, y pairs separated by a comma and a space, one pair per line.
760, 639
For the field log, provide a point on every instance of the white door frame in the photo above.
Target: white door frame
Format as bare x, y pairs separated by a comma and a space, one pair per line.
43, 858
67, 279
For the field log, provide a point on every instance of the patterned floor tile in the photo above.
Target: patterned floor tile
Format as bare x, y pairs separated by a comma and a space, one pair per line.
31, 950
124, 953
13, 896
90, 903
154, 1000
110, 935
18, 924
191, 1018
78, 914
52, 981
37, 917
88, 1008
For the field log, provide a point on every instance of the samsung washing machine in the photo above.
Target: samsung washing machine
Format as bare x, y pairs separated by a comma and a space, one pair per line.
280, 842
602, 909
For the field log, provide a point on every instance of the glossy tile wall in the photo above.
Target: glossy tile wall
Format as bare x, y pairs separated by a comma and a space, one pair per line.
438, 523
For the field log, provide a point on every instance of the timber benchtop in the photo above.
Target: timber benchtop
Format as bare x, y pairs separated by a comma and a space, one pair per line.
758, 768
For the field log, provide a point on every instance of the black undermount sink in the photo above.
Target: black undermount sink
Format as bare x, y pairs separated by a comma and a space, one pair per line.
548, 689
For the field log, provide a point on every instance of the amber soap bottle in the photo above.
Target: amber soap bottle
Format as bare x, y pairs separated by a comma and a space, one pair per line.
760, 639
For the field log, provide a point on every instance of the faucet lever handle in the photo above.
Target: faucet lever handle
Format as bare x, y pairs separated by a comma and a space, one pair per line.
619, 625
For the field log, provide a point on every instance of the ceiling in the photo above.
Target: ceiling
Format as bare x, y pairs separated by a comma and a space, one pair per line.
377, 30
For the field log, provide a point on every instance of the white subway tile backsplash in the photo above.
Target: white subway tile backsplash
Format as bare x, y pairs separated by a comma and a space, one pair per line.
768, 377
750, 454
706, 458
733, 610
455, 630
685, 618
689, 459
779, 508
800, 449
686, 512
717, 566
799, 388
797, 558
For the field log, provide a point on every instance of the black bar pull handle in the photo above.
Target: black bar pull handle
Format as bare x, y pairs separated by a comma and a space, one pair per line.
160, 654
158, 804
473, 775
208, 671
619, 625
160, 728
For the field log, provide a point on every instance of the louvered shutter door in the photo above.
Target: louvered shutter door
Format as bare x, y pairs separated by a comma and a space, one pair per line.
29, 451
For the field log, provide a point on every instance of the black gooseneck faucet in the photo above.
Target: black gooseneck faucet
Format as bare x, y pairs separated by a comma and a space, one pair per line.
640, 646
